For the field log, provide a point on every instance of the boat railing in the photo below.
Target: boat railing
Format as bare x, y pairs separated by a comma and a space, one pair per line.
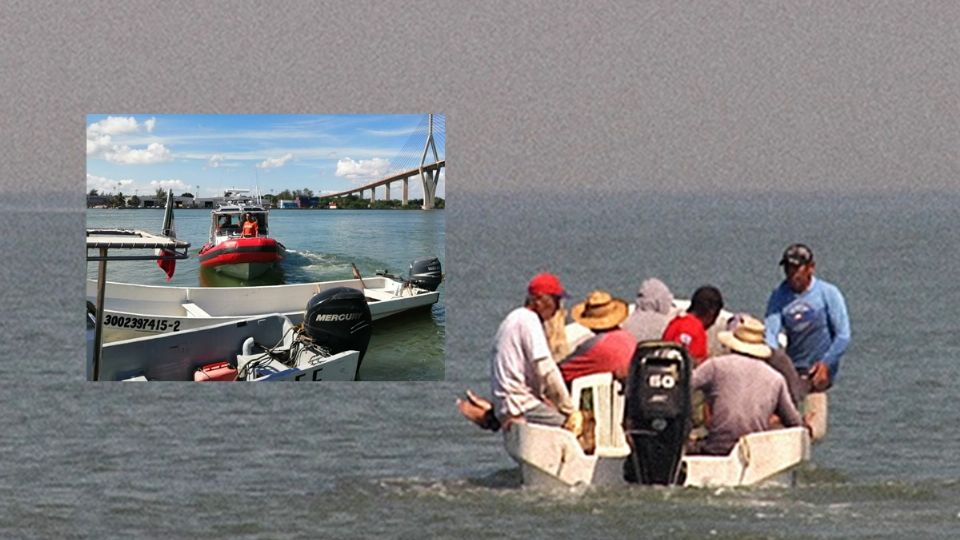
606, 402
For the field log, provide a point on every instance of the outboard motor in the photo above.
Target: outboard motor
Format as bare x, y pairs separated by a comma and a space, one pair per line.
425, 273
339, 320
657, 418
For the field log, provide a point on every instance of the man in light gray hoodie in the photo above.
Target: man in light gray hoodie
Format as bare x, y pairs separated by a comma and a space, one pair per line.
652, 311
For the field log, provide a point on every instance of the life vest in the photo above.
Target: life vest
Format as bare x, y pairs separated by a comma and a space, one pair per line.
250, 228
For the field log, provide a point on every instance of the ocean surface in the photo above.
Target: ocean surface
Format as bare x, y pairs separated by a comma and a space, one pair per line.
321, 246
395, 460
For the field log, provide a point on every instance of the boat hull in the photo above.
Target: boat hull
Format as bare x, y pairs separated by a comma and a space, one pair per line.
132, 311
177, 356
552, 457
242, 258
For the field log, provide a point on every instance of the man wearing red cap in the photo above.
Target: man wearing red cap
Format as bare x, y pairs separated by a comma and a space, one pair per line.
524, 379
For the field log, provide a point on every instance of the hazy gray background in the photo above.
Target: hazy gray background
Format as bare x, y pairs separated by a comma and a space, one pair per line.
589, 96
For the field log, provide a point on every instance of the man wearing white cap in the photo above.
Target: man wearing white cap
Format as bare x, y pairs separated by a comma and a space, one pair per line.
742, 390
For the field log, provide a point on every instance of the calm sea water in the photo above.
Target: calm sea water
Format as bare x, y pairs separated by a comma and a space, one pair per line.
355, 460
321, 246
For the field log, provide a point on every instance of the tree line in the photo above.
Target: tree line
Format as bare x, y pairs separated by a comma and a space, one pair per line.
305, 196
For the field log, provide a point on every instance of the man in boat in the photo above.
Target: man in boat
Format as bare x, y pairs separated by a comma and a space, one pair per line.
743, 391
779, 361
525, 381
611, 348
250, 226
813, 315
651, 312
690, 328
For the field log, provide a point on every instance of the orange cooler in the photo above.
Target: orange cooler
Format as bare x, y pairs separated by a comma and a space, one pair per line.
219, 371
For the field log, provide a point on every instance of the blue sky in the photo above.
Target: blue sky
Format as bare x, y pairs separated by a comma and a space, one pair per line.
137, 153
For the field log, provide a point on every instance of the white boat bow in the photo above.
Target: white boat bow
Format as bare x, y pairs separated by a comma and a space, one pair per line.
132, 310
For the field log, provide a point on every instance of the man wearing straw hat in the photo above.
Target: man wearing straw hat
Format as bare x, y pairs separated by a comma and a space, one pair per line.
610, 349
742, 390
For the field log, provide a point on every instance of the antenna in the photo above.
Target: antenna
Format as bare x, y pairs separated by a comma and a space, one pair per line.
257, 173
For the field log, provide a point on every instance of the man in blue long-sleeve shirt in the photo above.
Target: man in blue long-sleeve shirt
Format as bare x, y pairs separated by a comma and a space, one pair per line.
813, 315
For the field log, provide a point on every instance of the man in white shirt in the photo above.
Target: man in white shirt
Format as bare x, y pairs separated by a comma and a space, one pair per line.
524, 379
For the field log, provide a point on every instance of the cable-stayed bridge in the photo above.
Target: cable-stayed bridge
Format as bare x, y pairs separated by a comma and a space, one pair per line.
408, 166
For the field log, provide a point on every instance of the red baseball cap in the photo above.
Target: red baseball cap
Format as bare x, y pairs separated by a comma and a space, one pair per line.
546, 283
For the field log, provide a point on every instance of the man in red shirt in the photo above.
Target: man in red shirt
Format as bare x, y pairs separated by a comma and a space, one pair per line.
610, 349
690, 329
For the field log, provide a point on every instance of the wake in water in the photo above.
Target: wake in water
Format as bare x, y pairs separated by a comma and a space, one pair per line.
302, 266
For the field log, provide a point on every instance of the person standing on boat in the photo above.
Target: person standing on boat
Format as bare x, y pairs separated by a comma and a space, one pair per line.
690, 328
611, 348
813, 315
652, 310
250, 226
742, 390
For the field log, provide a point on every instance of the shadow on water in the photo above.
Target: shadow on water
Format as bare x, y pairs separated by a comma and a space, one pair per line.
502, 479
810, 474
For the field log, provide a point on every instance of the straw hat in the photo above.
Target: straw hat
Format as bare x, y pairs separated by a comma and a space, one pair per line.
747, 338
600, 311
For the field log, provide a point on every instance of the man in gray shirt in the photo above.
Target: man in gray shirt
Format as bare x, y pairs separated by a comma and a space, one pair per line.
653, 310
742, 390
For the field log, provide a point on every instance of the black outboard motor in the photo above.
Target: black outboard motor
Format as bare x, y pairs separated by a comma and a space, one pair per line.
339, 320
657, 418
425, 273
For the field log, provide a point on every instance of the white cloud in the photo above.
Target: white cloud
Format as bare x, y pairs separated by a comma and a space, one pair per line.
113, 125
215, 161
177, 186
107, 185
364, 169
100, 141
132, 187
275, 163
392, 132
155, 153
97, 143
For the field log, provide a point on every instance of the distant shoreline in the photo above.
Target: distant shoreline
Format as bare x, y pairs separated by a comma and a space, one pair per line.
405, 209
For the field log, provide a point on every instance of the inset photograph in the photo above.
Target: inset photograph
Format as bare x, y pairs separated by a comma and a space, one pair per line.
265, 247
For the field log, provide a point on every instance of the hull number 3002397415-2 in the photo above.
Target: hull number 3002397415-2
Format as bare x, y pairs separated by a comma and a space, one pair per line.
141, 323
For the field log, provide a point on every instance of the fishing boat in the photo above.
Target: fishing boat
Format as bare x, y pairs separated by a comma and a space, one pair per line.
132, 310
257, 349
231, 250
328, 346
639, 430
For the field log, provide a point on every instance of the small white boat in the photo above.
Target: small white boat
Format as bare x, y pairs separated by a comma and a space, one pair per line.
132, 310
258, 349
552, 457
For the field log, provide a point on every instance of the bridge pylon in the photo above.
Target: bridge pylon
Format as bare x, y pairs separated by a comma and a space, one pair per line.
429, 179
